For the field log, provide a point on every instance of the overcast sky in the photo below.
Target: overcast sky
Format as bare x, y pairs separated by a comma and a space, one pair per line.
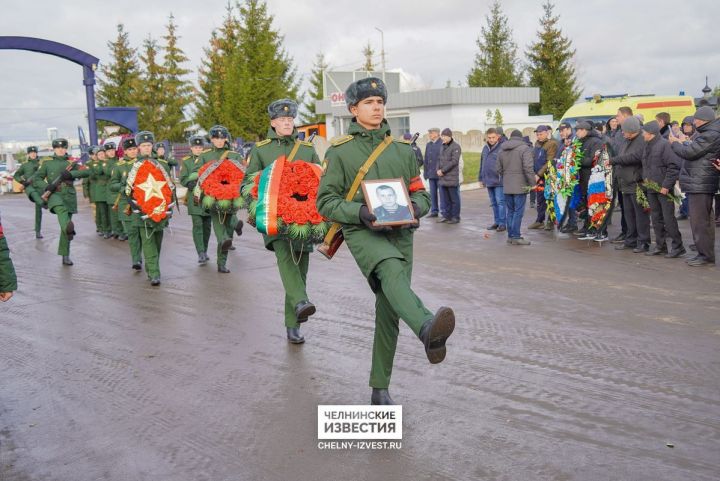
655, 46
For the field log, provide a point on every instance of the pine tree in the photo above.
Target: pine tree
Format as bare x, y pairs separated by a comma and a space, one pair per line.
151, 92
496, 63
260, 72
310, 116
117, 82
177, 89
213, 71
550, 67
368, 53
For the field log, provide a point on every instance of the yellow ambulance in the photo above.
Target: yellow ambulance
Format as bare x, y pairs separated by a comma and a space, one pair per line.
601, 108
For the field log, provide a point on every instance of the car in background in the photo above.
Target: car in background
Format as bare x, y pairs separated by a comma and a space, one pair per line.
600, 108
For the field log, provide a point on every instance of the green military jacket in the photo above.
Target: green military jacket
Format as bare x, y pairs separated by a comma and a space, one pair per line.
110, 164
8, 280
98, 181
25, 172
188, 178
65, 194
264, 153
342, 162
118, 183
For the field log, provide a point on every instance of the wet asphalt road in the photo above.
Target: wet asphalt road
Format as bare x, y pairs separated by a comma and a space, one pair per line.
569, 362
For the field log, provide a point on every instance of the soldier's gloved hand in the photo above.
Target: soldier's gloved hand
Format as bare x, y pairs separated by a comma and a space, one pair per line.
66, 175
27, 183
416, 212
367, 218
191, 185
193, 176
50, 188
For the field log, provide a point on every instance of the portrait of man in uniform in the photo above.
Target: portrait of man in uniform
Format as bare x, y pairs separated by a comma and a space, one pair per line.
389, 201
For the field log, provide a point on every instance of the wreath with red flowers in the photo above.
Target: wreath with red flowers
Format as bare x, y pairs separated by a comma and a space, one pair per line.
220, 187
297, 217
151, 190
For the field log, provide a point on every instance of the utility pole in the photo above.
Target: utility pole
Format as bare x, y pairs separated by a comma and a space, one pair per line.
382, 48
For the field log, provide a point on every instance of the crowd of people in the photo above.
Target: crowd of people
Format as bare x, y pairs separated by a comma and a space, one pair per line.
654, 165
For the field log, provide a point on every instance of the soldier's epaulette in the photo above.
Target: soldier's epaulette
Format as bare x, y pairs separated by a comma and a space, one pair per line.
263, 142
45, 159
186, 158
403, 141
306, 143
341, 140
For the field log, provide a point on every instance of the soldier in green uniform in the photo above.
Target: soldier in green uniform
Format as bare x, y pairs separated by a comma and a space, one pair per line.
92, 157
201, 224
25, 175
8, 280
59, 173
149, 232
99, 190
111, 160
224, 225
384, 254
293, 257
117, 187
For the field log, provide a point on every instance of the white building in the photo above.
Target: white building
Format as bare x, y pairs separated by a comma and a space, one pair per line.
461, 109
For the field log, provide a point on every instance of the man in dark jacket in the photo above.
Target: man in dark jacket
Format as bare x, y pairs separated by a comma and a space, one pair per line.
449, 178
592, 144
489, 177
550, 147
629, 172
662, 166
430, 166
699, 181
687, 135
515, 166
416, 150
663, 120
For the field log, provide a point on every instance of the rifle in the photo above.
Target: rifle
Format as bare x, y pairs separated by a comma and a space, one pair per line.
46, 195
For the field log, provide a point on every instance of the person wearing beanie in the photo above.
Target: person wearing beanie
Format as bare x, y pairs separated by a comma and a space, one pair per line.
549, 146
629, 170
292, 257
592, 144
699, 181
33, 189
384, 254
407, 137
449, 178
515, 167
433, 148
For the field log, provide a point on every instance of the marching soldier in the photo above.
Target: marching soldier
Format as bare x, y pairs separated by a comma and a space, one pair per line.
99, 190
92, 157
117, 187
293, 257
25, 175
59, 174
223, 224
147, 231
116, 227
8, 280
384, 254
201, 224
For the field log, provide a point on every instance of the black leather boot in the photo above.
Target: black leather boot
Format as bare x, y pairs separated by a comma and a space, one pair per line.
226, 245
223, 270
155, 281
435, 332
238, 227
381, 397
66, 261
294, 336
303, 310
70, 230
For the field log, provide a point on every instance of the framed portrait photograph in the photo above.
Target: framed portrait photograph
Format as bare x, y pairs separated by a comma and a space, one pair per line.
389, 201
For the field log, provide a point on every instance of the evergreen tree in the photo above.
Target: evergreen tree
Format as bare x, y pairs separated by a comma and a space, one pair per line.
117, 82
368, 53
496, 63
177, 89
151, 92
260, 71
213, 71
550, 67
310, 116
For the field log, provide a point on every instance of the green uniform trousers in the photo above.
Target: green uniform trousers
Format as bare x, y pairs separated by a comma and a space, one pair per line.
394, 300
116, 226
293, 267
151, 241
201, 228
133, 234
63, 217
223, 225
102, 217
35, 197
